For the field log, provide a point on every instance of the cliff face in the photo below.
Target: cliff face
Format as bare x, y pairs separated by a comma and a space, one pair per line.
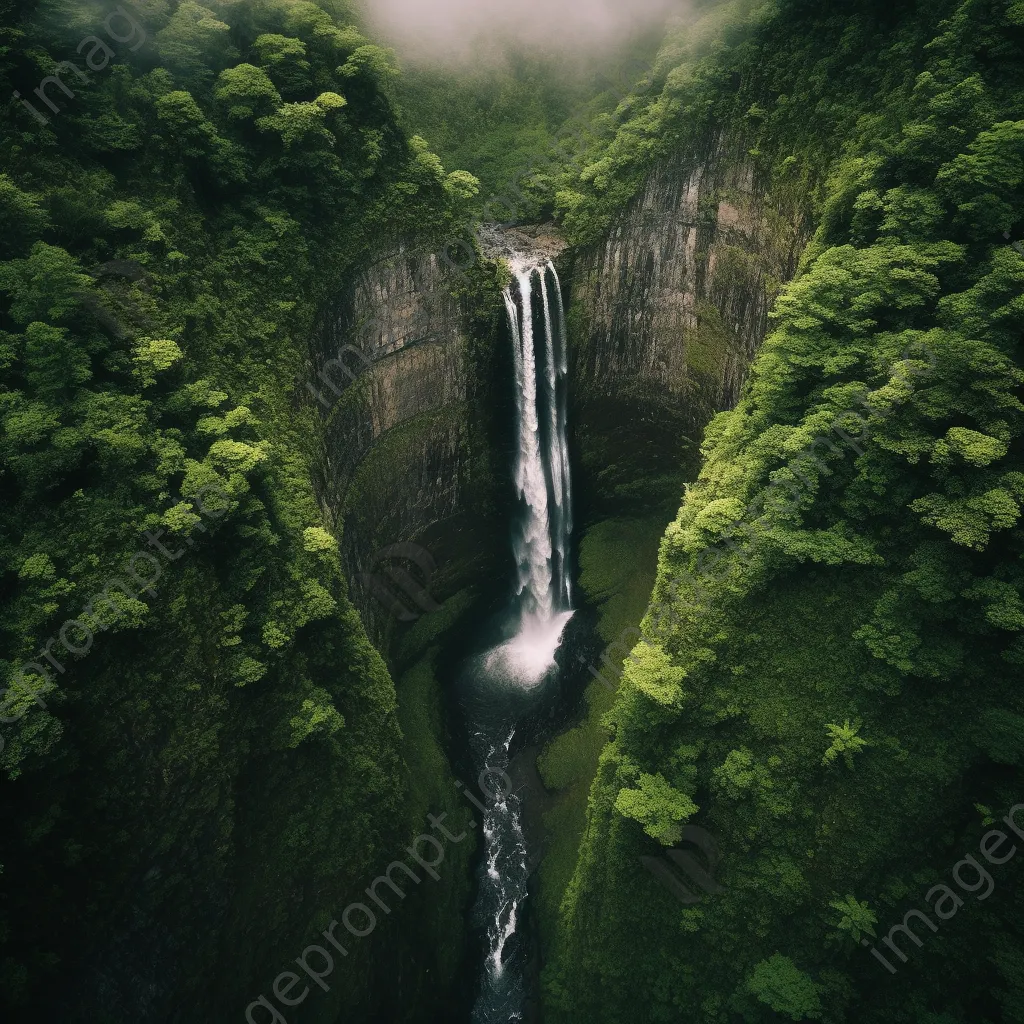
405, 366
669, 309
407, 461
666, 314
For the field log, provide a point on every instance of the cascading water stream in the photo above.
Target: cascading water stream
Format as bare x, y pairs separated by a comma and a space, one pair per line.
561, 524
533, 544
562, 430
542, 536
507, 682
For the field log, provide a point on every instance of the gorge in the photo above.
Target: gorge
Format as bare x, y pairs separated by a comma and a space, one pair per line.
619, 435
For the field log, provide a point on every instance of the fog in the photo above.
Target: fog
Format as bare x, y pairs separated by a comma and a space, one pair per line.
456, 29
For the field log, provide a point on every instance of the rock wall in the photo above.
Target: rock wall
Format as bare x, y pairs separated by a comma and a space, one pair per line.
404, 395
669, 309
404, 374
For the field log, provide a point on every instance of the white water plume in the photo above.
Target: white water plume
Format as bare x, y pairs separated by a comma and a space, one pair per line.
526, 658
543, 535
515, 675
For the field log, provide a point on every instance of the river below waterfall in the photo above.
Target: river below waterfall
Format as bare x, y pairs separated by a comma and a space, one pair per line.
507, 688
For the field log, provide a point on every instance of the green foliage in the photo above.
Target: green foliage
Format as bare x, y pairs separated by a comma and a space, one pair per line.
735, 776
518, 120
837, 626
657, 806
845, 741
680, 98
779, 984
284, 60
21, 217
194, 43
612, 556
856, 918
246, 91
370, 62
317, 715
218, 755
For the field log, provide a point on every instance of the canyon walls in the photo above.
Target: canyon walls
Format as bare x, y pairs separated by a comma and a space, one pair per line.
665, 316
406, 368
666, 313
410, 373
668, 310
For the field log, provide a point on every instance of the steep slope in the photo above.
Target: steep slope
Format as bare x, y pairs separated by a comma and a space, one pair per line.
827, 679
667, 312
408, 375
202, 750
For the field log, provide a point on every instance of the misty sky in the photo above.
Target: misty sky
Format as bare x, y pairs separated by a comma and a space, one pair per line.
448, 28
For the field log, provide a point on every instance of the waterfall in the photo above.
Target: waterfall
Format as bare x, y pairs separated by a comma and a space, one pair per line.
543, 540
533, 541
557, 369
542, 536
563, 417
507, 685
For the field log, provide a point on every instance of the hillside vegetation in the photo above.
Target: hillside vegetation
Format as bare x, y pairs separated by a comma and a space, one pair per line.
202, 755
828, 680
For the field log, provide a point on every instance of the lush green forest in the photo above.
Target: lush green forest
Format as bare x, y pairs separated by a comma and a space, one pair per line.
212, 745
209, 746
520, 121
828, 679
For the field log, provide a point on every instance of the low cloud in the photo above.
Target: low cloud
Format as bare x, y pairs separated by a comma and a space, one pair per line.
455, 29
